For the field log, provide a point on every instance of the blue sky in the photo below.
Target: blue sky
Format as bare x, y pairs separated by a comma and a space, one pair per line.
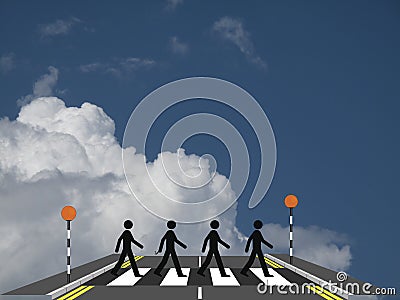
326, 74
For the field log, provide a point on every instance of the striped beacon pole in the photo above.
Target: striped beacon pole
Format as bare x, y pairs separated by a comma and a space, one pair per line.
291, 202
68, 213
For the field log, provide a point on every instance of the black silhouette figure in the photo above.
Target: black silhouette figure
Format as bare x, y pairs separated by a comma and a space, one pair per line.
170, 239
127, 239
257, 238
214, 239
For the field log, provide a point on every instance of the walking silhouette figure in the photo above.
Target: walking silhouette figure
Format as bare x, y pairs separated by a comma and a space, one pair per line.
214, 239
170, 239
257, 238
127, 239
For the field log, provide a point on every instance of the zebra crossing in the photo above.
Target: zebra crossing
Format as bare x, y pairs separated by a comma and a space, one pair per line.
218, 280
212, 285
128, 278
171, 278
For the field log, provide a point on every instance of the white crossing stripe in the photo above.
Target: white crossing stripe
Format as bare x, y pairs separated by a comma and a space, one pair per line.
128, 278
218, 280
275, 280
172, 279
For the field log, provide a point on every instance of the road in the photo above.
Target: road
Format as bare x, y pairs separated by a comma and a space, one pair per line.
126, 286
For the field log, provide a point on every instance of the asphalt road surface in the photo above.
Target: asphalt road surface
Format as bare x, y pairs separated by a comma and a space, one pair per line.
283, 284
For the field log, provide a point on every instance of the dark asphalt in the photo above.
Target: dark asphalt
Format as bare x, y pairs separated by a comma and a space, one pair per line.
149, 285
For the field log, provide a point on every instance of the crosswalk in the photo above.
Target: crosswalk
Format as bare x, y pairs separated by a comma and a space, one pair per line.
171, 278
279, 278
218, 280
276, 279
128, 278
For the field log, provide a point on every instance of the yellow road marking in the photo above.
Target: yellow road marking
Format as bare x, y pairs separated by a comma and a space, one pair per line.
88, 288
324, 293
272, 263
328, 293
72, 292
83, 288
319, 293
128, 263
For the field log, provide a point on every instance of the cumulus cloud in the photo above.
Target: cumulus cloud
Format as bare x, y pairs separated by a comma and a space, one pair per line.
232, 30
59, 27
54, 155
118, 67
177, 46
7, 62
172, 4
318, 245
43, 87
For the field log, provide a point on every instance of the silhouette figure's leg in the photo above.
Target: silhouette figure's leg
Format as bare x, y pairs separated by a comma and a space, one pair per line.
205, 263
220, 264
133, 264
249, 263
263, 263
176, 264
162, 263
119, 263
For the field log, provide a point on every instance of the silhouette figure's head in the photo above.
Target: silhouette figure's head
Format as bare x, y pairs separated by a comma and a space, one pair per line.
214, 224
171, 224
258, 224
128, 224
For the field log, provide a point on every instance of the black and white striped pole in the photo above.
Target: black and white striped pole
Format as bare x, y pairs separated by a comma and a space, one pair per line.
291, 202
68, 213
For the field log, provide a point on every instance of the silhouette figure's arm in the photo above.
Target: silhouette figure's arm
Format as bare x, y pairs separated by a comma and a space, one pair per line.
266, 243
205, 243
161, 244
248, 243
118, 244
134, 241
137, 244
180, 243
223, 243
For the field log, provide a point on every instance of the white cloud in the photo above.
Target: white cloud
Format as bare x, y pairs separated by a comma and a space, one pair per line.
54, 155
119, 67
172, 4
43, 87
92, 67
7, 62
318, 245
232, 29
134, 63
59, 27
177, 46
